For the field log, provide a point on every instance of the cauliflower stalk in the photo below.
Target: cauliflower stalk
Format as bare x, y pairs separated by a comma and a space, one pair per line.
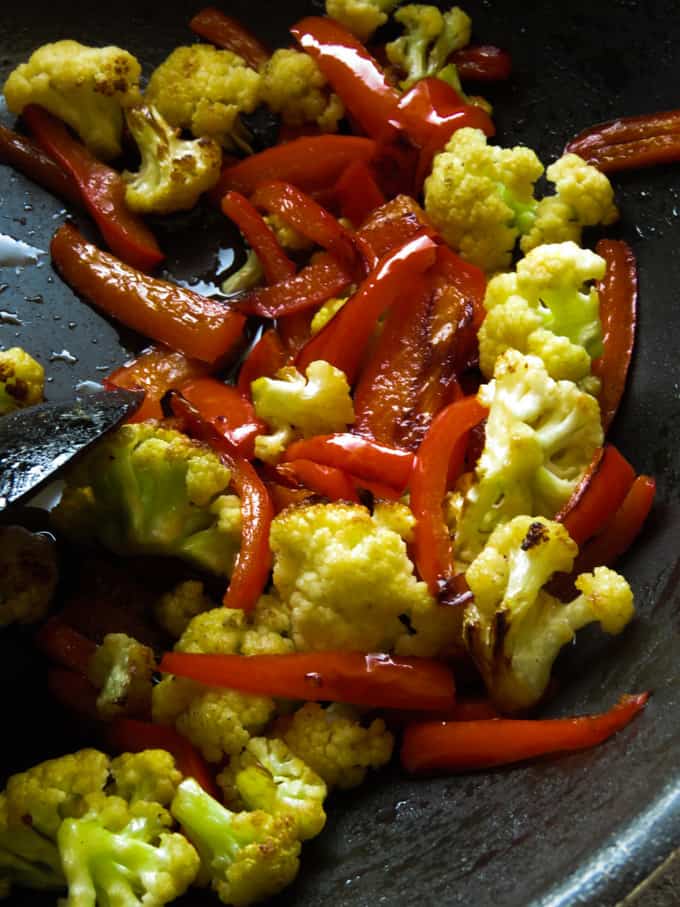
174, 172
429, 38
514, 629
325, 313
205, 90
146, 489
22, 380
541, 435
249, 275
548, 307
87, 87
297, 406
294, 87
361, 17
481, 199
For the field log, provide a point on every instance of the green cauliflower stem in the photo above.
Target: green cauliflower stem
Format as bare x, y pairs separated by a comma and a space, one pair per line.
121, 669
361, 17
548, 307
205, 90
246, 856
293, 406
176, 608
22, 380
335, 744
174, 172
28, 575
87, 87
429, 38
294, 87
541, 435
146, 489
514, 629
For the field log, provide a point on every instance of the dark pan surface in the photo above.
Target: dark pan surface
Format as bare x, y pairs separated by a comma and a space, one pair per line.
583, 829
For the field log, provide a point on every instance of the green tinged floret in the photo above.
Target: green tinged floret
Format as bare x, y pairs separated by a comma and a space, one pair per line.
27, 858
146, 489
429, 38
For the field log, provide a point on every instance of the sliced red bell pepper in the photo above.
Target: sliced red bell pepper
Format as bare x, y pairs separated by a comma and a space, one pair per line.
310, 287
296, 329
328, 481
598, 495
460, 746
376, 681
199, 327
262, 239
228, 411
357, 193
102, 191
482, 63
343, 340
128, 735
155, 371
359, 457
265, 359
74, 692
65, 646
630, 142
442, 450
392, 225
432, 111
618, 314
254, 559
283, 497
29, 159
310, 163
229, 34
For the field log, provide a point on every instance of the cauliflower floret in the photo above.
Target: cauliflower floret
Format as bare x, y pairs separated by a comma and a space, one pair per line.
270, 629
174, 172
549, 308
121, 669
288, 236
27, 858
429, 39
584, 197
541, 435
224, 631
480, 197
294, 87
334, 743
176, 608
204, 89
22, 380
150, 775
361, 17
87, 87
249, 275
294, 406
328, 310
514, 629
28, 575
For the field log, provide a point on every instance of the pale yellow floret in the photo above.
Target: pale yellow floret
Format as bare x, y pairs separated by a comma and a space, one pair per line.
294, 87
361, 17
22, 380
328, 310
175, 609
288, 236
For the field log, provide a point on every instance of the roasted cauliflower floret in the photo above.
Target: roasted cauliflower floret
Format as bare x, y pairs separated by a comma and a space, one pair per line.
175, 609
224, 631
87, 87
149, 775
121, 669
429, 38
22, 380
293, 86
361, 17
204, 89
514, 629
547, 307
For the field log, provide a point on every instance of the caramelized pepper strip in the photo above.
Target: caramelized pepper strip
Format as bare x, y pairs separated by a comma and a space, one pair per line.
310, 287
199, 327
328, 481
265, 359
618, 314
275, 263
228, 33
443, 450
376, 681
232, 414
357, 193
482, 63
65, 646
255, 558
28, 158
461, 746
630, 142
102, 191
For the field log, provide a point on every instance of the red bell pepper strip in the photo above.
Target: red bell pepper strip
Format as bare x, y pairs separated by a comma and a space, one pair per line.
155, 371
432, 111
102, 191
357, 194
199, 327
444, 444
343, 340
310, 163
355, 76
598, 495
296, 329
328, 481
283, 497
630, 142
265, 359
228, 411
65, 646
392, 225
618, 314
461, 746
228, 33
301, 212
254, 558
29, 158
376, 681
74, 692
275, 263
482, 63
128, 735
310, 287
358, 456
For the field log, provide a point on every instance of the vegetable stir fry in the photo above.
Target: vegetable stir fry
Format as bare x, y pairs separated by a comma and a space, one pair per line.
403, 493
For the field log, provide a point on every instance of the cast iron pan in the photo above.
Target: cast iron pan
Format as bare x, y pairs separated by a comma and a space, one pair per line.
583, 829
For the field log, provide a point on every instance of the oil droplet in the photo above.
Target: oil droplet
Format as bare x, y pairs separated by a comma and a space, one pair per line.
203, 287
88, 387
37, 299
9, 318
72, 325
3, 287
63, 356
